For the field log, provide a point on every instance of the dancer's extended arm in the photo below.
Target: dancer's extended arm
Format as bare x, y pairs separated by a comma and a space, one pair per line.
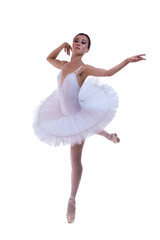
92, 71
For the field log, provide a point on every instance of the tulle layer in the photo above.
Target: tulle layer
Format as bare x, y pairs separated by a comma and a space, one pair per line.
98, 107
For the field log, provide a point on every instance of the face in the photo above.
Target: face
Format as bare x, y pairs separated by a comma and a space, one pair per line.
80, 45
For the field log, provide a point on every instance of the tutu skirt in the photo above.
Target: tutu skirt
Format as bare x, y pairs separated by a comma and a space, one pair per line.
98, 103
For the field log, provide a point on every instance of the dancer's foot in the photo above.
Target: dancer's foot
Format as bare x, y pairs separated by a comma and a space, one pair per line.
113, 137
71, 210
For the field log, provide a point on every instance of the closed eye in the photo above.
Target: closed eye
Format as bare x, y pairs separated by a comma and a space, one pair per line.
77, 40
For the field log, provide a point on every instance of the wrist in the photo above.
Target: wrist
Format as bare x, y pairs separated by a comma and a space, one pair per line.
62, 46
127, 60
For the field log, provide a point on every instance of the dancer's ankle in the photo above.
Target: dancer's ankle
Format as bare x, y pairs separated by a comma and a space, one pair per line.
72, 198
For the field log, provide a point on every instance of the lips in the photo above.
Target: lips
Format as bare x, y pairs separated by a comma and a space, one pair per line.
77, 48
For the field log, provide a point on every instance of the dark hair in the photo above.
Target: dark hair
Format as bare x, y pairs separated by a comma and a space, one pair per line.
89, 40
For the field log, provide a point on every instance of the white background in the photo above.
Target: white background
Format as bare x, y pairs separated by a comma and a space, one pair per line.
119, 193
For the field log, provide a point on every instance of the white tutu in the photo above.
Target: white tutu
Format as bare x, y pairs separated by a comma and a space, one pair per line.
71, 114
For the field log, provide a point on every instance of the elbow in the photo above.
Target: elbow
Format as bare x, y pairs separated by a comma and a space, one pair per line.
48, 58
108, 73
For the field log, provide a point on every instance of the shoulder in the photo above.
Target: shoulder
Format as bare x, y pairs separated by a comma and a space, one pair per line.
88, 68
85, 68
62, 63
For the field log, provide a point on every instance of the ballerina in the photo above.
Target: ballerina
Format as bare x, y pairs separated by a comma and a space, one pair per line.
79, 108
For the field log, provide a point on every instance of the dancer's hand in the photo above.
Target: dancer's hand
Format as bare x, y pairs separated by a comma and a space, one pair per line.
136, 58
67, 48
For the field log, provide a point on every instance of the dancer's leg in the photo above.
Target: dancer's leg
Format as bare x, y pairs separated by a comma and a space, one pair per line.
75, 155
112, 137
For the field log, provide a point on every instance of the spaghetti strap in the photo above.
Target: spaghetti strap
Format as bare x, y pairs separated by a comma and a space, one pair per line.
78, 69
64, 65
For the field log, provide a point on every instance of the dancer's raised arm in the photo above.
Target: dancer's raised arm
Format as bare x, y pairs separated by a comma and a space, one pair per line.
53, 55
92, 71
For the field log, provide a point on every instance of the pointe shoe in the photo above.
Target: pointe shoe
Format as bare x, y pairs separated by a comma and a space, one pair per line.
113, 137
71, 216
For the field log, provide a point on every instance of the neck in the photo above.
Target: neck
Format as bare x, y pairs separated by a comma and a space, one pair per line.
76, 59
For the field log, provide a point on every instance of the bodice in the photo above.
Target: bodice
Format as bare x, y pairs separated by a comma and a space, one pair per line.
68, 93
